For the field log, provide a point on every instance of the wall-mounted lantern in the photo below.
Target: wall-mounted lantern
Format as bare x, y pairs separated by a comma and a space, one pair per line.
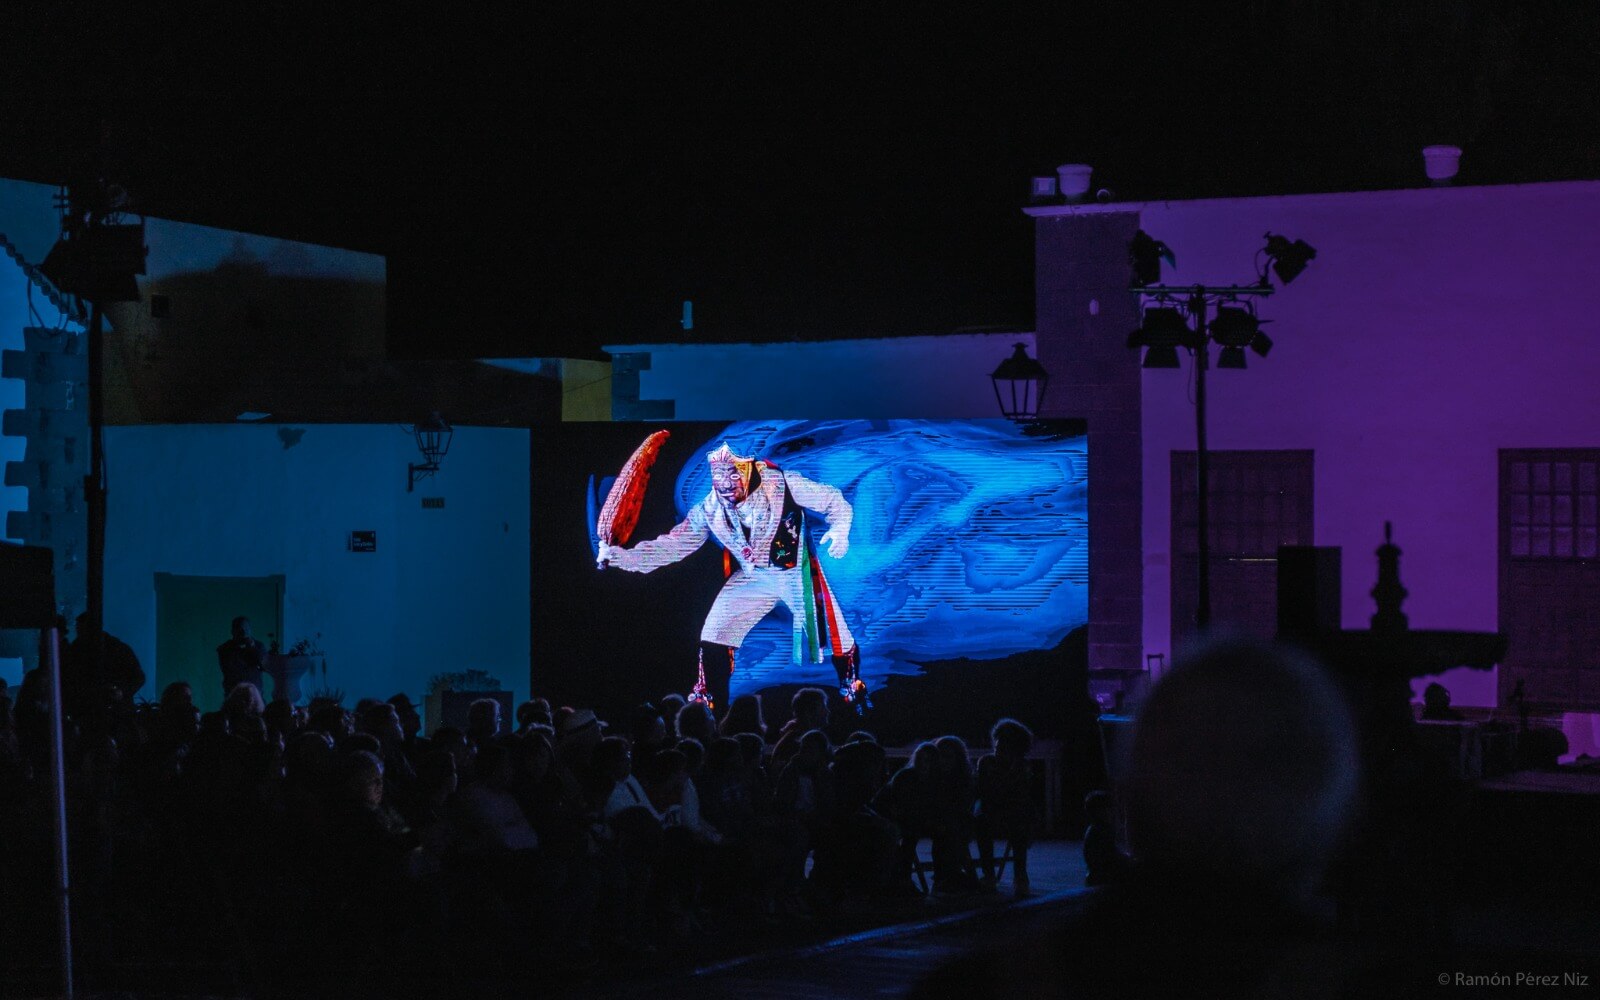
433, 440
1019, 384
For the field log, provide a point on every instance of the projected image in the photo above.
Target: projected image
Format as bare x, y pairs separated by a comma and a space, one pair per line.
851, 551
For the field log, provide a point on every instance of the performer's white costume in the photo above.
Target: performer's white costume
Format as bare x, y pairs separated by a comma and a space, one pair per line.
753, 511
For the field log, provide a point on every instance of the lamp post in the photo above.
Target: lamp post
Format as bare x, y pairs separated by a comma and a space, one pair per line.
1192, 317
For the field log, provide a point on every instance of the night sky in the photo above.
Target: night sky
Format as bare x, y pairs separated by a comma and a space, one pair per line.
560, 181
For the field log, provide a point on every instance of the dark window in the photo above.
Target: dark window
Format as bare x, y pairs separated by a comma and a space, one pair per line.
1550, 575
1259, 501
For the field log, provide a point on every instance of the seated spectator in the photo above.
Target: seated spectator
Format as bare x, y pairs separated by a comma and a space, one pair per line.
382, 722
810, 708
802, 798
648, 730
1240, 779
675, 797
744, 716
577, 735
1106, 863
855, 850
416, 745
694, 753
670, 705
1005, 802
483, 722
280, 719
244, 699
911, 801
535, 712
486, 818
177, 696
454, 742
329, 717
954, 799
695, 722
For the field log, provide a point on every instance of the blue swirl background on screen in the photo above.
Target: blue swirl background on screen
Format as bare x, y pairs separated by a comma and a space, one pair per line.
970, 539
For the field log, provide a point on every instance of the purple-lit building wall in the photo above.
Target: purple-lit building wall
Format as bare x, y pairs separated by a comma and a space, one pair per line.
1435, 327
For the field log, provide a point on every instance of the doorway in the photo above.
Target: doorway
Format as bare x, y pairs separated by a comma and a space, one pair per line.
194, 615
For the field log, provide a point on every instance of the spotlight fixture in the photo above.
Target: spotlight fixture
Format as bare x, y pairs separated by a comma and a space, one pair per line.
1145, 254
1024, 380
1235, 328
1288, 259
433, 440
1164, 331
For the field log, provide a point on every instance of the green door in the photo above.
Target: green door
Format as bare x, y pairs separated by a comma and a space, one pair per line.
194, 615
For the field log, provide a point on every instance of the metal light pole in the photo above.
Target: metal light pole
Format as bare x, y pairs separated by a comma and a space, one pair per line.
1198, 302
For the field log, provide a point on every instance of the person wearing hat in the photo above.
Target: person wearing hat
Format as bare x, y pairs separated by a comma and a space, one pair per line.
577, 734
415, 744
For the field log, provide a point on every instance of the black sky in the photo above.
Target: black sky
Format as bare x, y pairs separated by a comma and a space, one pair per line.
550, 182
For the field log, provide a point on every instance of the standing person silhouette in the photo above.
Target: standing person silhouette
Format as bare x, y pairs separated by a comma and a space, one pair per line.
242, 658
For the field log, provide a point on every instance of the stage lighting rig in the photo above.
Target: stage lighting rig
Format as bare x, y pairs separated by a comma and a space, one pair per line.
1146, 254
1287, 258
1192, 317
1235, 328
1164, 331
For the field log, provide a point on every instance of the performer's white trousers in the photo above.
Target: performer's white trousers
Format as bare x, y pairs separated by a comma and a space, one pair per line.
750, 595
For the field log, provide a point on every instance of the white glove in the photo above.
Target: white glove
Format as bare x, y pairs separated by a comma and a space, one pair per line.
603, 558
838, 543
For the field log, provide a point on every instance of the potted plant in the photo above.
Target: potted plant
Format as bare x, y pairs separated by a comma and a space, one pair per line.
290, 670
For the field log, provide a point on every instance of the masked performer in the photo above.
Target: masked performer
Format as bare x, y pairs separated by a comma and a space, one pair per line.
758, 514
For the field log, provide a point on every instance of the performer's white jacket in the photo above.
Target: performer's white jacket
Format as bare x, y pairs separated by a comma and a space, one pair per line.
746, 530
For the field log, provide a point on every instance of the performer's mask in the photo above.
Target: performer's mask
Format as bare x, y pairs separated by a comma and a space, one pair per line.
730, 474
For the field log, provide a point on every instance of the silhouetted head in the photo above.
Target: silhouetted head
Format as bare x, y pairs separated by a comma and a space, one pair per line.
1097, 806
241, 628
483, 719
244, 699
175, 695
814, 748
613, 759
1011, 738
382, 721
410, 718
693, 751
695, 722
361, 774
1241, 772
744, 716
810, 707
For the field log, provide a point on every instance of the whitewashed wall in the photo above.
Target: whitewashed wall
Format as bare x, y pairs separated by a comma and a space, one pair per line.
445, 590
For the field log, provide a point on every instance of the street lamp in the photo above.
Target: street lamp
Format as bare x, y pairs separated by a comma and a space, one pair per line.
1192, 317
1019, 383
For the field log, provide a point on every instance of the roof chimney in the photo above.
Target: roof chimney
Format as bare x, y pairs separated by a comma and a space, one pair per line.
1074, 180
1441, 163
